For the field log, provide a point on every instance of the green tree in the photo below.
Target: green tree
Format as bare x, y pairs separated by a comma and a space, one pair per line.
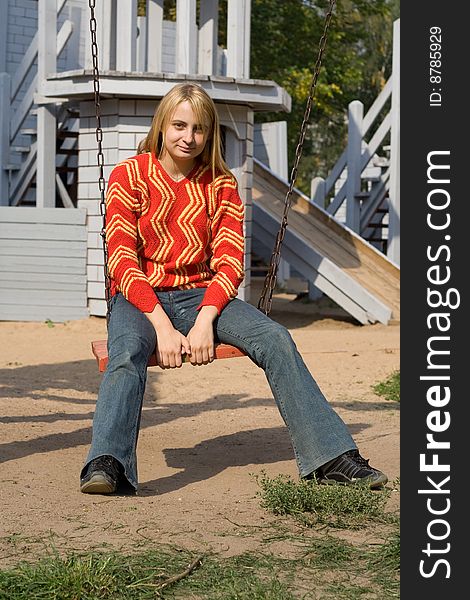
357, 62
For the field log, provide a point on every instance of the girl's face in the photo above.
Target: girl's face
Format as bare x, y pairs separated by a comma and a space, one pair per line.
184, 137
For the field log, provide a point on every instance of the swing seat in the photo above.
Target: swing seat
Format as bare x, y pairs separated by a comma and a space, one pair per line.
100, 351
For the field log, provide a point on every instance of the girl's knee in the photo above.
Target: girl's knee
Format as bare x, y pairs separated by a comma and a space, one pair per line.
130, 350
279, 332
279, 339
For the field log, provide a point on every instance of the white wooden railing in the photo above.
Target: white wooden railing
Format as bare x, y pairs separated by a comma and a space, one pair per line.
138, 46
345, 183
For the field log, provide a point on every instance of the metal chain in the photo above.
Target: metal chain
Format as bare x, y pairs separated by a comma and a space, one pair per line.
100, 155
265, 300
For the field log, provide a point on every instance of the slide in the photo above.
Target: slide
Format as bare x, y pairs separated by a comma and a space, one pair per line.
358, 277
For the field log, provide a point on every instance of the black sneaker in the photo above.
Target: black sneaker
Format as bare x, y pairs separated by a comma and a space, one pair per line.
349, 468
102, 476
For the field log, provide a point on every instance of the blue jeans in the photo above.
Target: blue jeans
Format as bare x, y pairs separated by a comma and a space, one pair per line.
318, 434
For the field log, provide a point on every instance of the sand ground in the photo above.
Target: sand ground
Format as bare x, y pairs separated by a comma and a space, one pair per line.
206, 432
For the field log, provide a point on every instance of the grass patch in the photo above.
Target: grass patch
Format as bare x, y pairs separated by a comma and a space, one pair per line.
390, 388
154, 574
245, 577
329, 553
384, 563
324, 567
341, 506
353, 573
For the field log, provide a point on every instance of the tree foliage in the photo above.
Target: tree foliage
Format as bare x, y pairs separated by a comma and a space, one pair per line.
357, 62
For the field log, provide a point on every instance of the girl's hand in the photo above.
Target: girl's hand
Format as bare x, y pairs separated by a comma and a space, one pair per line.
171, 344
201, 337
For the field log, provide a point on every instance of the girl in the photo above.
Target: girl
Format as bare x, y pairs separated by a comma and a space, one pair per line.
174, 231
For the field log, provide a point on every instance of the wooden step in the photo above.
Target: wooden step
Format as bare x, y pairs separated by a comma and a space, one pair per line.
381, 162
28, 131
100, 351
22, 149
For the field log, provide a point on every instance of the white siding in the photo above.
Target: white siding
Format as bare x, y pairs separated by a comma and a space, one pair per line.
42, 264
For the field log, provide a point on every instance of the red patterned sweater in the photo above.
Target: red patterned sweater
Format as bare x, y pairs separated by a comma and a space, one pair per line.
164, 235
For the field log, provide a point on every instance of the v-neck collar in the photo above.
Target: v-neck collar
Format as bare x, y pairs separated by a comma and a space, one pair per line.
169, 178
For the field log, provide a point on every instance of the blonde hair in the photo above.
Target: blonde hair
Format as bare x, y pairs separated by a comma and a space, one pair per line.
206, 113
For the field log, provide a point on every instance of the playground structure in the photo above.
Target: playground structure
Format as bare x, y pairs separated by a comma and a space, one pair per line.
51, 258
